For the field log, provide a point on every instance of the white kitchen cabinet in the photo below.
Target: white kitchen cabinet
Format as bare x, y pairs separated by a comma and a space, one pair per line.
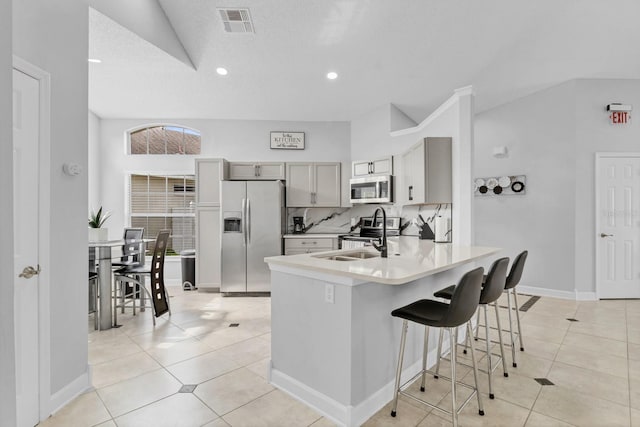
209, 173
382, 166
298, 245
208, 248
313, 185
427, 172
256, 171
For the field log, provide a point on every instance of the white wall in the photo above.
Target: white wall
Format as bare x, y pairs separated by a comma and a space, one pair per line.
552, 137
7, 348
53, 35
539, 134
94, 166
594, 133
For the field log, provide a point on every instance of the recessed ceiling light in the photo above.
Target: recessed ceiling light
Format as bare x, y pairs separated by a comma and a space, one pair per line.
332, 75
221, 71
95, 61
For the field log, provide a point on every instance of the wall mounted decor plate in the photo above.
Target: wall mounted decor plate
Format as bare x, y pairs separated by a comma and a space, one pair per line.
505, 185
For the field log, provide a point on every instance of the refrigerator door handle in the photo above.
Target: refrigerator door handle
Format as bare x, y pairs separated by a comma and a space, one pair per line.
248, 221
244, 222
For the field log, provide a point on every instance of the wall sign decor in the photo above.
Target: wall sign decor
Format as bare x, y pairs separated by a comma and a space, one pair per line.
505, 185
287, 140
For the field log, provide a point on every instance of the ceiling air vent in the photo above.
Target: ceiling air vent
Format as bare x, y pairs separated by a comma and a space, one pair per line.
236, 20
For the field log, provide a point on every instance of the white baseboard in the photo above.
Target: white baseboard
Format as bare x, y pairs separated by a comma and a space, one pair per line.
69, 392
554, 293
545, 292
347, 415
586, 296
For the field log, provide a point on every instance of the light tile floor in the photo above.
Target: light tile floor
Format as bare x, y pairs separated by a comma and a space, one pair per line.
138, 370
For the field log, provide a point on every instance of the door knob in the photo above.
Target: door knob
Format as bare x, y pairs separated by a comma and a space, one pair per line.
605, 235
29, 272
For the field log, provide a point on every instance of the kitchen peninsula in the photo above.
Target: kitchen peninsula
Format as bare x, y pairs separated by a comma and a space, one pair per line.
334, 344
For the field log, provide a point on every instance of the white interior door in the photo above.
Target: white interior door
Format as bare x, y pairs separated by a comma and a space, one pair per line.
618, 227
26, 106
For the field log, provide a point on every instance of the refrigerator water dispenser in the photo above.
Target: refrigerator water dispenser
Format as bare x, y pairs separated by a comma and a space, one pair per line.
232, 222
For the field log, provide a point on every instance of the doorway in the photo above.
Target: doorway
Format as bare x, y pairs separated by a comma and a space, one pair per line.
31, 240
617, 213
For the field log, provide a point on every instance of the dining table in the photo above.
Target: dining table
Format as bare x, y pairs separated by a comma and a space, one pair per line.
104, 255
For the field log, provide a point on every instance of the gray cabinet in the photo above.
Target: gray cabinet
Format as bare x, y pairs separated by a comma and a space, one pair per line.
256, 170
209, 173
208, 248
427, 172
298, 245
313, 184
383, 166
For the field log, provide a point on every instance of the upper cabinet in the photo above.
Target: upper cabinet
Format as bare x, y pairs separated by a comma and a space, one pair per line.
313, 185
427, 172
255, 171
209, 173
382, 166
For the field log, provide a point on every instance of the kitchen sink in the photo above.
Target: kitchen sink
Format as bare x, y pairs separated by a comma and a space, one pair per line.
349, 256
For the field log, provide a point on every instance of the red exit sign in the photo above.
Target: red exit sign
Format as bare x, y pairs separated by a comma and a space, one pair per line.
620, 117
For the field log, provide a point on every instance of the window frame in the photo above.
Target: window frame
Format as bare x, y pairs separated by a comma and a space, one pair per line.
127, 138
165, 174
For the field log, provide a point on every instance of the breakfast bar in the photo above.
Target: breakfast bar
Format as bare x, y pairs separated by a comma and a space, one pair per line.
334, 344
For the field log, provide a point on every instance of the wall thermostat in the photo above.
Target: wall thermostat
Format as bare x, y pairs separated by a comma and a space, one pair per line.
72, 169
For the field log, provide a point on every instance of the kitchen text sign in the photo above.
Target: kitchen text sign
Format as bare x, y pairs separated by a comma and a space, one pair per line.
620, 117
287, 140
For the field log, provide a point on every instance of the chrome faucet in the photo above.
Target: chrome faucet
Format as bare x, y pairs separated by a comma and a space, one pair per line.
382, 247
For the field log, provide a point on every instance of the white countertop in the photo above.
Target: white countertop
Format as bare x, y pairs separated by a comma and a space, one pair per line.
409, 259
312, 236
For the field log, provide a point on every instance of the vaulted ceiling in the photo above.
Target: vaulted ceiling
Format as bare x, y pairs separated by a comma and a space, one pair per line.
159, 57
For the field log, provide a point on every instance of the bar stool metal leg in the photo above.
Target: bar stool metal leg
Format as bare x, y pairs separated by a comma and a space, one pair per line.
475, 337
489, 363
403, 340
513, 342
504, 359
453, 340
475, 370
515, 300
439, 354
424, 357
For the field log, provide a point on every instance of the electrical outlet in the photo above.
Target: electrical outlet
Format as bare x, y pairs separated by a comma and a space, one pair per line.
329, 293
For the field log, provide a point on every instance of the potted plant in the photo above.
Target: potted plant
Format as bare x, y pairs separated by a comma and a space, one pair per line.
96, 221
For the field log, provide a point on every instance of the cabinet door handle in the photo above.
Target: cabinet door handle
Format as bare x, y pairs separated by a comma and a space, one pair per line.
259, 170
370, 167
411, 192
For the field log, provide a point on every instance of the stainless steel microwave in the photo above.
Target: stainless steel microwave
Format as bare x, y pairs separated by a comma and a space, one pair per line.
372, 189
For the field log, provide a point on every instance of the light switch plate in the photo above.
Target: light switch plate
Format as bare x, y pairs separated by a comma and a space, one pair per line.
329, 293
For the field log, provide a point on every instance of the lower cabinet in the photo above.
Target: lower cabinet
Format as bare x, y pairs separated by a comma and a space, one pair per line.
297, 245
208, 250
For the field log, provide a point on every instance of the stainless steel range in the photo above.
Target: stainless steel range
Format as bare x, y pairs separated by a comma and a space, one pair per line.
369, 232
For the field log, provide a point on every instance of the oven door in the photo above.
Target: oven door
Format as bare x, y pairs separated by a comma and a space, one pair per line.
372, 189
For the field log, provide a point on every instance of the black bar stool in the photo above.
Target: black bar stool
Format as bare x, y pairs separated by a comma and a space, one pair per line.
492, 288
515, 274
464, 302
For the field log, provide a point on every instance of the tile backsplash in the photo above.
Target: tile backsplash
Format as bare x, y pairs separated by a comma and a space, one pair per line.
340, 220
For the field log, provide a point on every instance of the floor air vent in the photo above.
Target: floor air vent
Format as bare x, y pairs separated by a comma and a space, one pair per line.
236, 20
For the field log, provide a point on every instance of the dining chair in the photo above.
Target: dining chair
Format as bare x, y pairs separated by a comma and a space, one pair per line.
134, 275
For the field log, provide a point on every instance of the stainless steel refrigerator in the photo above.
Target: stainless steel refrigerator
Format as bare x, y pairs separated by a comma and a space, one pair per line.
252, 224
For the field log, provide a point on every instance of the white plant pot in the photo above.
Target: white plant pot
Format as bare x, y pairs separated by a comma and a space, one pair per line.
98, 234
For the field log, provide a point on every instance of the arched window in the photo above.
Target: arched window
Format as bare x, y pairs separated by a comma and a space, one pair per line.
164, 139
